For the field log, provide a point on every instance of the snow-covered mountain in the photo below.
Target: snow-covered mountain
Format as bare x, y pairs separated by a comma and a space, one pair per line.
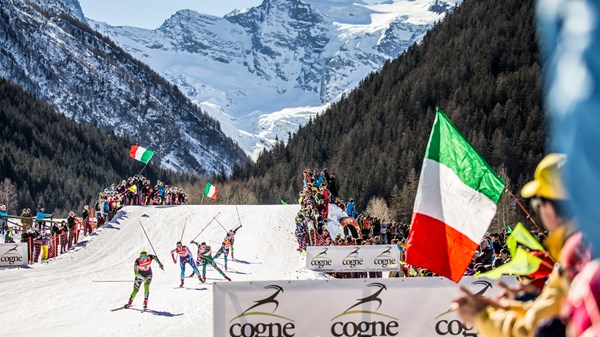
47, 48
264, 71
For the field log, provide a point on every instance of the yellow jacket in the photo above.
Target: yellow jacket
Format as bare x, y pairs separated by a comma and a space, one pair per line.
519, 319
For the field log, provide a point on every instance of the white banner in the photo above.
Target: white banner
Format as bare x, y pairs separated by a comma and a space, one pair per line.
352, 307
13, 254
352, 258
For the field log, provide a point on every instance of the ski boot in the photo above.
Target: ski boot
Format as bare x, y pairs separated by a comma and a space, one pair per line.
145, 303
227, 277
202, 279
128, 305
181, 285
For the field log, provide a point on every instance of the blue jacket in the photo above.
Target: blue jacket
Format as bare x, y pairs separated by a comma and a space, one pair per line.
40, 216
351, 209
3, 215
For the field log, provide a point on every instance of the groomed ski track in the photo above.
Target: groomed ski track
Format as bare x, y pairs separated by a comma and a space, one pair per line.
73, 295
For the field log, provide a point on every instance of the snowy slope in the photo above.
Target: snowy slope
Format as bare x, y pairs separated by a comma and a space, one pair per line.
264, 71
73, 294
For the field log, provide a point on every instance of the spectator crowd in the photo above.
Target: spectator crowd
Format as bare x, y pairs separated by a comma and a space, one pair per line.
47, 238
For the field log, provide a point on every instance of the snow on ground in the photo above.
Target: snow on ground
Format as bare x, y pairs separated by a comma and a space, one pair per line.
73, 294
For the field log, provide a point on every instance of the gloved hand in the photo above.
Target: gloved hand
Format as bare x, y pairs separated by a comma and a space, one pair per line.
161, 266
138, 275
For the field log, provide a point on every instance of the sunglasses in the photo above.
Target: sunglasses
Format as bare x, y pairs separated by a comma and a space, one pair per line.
536, 203
143, 257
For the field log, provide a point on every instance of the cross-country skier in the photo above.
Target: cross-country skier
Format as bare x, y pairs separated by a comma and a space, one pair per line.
224, 249
185, 256
231, 236
205, 257
143, 273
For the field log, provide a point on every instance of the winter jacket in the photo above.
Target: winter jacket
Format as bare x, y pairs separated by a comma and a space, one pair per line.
522, 318
351, 209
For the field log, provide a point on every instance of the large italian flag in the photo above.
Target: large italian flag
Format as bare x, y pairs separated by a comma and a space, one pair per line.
211, 191
455, 203
140, 153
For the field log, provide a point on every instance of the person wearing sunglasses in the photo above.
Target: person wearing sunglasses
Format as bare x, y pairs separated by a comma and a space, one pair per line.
143, 273
535, 317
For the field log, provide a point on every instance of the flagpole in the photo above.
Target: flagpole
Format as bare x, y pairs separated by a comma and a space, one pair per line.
202, 201
143, 168
525, 210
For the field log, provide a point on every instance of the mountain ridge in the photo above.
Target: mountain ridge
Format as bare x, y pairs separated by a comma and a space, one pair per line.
265, 71
87, 77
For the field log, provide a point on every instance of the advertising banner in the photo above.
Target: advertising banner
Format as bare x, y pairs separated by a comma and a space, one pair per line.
352, 258
13, 254
351, 307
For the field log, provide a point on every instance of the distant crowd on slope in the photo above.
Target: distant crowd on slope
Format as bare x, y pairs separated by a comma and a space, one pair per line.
47, 238
320, 188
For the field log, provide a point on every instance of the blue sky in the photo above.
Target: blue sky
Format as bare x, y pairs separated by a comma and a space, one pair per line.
152, 13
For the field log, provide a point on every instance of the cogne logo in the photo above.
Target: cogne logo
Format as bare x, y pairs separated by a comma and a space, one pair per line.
321, 260
352, 260
355, 321
12, 256
455, 327
264, 324
385, 258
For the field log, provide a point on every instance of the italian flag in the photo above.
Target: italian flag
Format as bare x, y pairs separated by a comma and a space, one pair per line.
455, 203
140, 153
211, 191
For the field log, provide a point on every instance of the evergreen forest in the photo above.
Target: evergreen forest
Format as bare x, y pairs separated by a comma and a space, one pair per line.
50, 161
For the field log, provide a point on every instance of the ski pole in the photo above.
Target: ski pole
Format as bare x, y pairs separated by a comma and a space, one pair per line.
214, 218
221, 225
238, 213
183, 229
154, 251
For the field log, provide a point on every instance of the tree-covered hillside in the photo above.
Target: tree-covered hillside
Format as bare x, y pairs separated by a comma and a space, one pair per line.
56, 163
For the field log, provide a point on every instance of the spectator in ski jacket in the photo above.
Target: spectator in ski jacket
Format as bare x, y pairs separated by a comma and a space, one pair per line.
351, 209
40, 218
3, 219
513, 319
85, 216
332, 186
27, 222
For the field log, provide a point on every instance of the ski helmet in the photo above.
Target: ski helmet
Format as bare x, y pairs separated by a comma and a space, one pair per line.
143, 254
203, 243
179, 243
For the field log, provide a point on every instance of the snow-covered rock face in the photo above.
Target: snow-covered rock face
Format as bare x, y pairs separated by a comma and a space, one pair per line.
264, 71
90, 79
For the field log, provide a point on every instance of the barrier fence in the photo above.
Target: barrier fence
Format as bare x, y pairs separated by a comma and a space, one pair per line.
41, 249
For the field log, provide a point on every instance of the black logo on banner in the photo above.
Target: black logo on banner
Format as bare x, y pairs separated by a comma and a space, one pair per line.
353, 259
269, 324
11, 256
321, 260
455, 327
354, 323
385, 258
